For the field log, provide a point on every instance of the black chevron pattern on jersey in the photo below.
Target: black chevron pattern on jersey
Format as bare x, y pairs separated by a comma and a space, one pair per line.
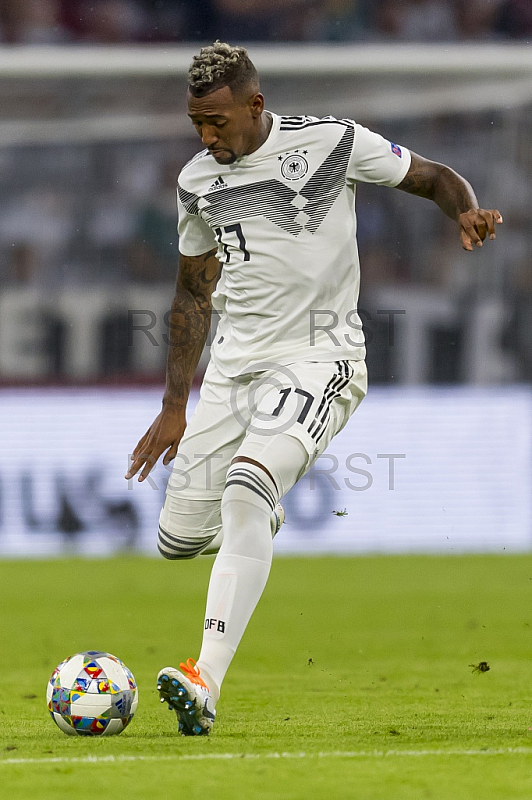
327, 182
189, 200
270, 199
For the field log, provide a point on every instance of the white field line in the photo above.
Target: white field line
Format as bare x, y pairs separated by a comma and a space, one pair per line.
348, 754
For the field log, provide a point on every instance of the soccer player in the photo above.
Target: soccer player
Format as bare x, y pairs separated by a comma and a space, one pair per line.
266, 237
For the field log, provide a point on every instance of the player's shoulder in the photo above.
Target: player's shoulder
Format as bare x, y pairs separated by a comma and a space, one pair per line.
299, 123
192, 168
322, 132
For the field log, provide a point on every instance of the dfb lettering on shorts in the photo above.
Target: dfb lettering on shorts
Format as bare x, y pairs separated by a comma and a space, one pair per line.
215, 624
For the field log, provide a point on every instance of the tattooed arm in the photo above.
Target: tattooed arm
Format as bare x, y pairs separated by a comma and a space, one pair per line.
455, 196
190, 319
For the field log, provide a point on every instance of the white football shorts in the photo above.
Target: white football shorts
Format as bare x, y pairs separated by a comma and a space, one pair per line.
311, 401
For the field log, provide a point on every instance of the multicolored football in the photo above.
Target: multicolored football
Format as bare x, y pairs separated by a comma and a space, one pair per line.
92, 694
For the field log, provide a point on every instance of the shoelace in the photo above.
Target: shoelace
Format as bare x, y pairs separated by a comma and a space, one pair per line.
191, 670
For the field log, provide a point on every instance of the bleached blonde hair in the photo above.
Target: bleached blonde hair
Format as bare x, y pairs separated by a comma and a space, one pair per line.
220, 65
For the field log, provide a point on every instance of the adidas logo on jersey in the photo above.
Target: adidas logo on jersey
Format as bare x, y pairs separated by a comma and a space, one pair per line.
219, 183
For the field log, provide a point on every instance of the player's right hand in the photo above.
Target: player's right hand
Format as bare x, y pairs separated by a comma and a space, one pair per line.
476, 224
164, 433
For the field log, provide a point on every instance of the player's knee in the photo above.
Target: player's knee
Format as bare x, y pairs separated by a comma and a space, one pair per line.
177, 547
187, 530
282, 459
171, 555
249, 482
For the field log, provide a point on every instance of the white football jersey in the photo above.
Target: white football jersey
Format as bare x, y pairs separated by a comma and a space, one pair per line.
283, 219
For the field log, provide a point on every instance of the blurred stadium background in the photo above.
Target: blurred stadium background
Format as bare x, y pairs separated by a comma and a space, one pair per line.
93, 131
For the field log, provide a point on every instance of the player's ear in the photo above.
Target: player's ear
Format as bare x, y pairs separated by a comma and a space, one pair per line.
256, 104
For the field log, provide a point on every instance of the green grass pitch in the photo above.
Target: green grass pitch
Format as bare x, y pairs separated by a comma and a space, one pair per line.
353, 680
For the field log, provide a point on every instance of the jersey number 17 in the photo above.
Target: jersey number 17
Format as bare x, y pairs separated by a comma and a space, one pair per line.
237, 229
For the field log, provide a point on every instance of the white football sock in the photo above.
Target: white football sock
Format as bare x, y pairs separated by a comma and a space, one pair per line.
242, 566
214, 546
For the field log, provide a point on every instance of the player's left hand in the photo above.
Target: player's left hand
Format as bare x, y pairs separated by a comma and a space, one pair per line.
476, 224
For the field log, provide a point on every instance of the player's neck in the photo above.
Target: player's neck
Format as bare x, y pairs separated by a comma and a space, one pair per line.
266, 122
